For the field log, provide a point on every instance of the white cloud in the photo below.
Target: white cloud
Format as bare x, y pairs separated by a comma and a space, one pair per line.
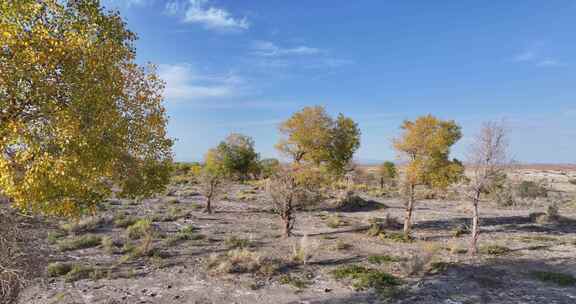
269, 49
533, 56
210, 17
183, 83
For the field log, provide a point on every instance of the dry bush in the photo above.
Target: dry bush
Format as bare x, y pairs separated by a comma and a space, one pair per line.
422, 261
84, 225
12, 274
241, 261
302, 250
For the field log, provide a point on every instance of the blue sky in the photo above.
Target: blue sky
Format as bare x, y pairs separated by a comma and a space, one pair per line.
244, 66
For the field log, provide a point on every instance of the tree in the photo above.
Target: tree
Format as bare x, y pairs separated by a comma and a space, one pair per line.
425, 145
269, 167
212, 177
238, 155
78, 116
306, 135
387, 172
291, 189
487, 163
343, 143
311, 136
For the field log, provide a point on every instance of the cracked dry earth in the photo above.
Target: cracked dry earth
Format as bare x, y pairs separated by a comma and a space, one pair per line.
181, 276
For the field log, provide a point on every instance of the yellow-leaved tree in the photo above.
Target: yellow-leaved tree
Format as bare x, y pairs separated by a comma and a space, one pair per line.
78, 117
425, 146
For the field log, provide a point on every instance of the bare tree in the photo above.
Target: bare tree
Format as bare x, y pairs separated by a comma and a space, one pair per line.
487, 160
291, 189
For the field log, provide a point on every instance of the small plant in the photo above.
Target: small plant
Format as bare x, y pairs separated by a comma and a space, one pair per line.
84, 225
334, 221
80, 242
123, 221
236, 261
58, 269
383, 259
558, 278
421, 262
294, 281
236, 242
341, 245
139, 229
54, 236
495, 250
80, 272
396, 237
363, 278
187, 233
301, 251
461, 230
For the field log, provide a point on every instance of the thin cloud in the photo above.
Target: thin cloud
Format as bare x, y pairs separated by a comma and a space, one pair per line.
201, 12
183, 83
534, 57
270, 49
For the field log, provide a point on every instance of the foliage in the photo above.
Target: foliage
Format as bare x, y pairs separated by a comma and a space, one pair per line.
425, 143
79, 117
387, 172
495, 250
139, 229
364, 278
213, 176
312, 136
269, 167
238, 155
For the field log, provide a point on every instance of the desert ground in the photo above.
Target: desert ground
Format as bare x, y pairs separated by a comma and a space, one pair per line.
167, 250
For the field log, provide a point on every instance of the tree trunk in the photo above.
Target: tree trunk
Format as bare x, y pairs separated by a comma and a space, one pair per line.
408, 215
473, 249
381, 183
208, 205
288, 220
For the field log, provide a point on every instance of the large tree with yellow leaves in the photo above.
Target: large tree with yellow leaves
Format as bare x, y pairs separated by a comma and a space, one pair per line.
425, 146
78, 117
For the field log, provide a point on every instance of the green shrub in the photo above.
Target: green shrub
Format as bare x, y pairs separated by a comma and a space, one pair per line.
80, 242
123, 221
363, 278
558, 278
396, 237
294, 281
334, 221
187, 233
495, 250
58, 269
139, 229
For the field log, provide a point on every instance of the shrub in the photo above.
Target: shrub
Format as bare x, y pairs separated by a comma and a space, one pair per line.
123, 221
301, 252
420, 262
396, 237
334, 221
558, 278
187, 233
236, 242
139, 229
461, 230
87, 224
58, 269
235, 261
383, 259
80, 272
364, 278
341, 245
531, 189
80, 242
495, 250
294, 281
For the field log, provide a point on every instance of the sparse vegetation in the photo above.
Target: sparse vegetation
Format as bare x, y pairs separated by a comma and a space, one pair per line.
139, 229
383, 259
79, 242
494, 250
558, 278
363, 278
